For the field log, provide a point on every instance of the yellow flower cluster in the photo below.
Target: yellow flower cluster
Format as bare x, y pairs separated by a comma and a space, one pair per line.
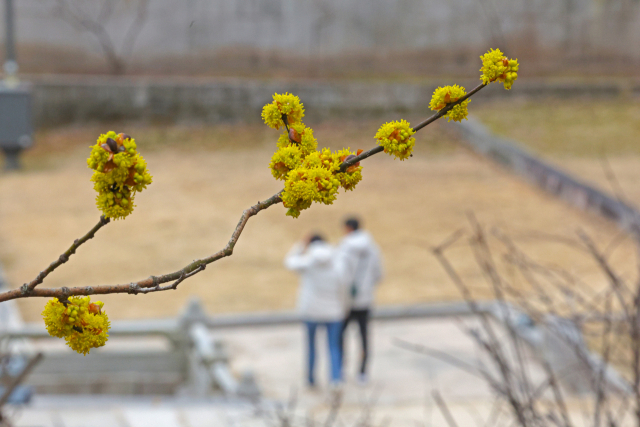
283, 105
396, 139
496, 67
285, 160
304, 186
310, 175
443, 96
80, 322
302, 136
119, 172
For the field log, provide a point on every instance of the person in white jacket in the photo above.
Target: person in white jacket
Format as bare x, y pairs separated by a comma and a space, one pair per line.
364, 271
322, 298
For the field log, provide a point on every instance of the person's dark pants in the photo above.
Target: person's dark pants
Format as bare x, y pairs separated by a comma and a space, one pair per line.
362, 317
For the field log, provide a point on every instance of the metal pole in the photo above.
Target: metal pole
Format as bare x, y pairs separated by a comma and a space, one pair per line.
10, 64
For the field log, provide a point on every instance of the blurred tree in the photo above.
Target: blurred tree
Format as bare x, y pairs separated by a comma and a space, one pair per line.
75, 13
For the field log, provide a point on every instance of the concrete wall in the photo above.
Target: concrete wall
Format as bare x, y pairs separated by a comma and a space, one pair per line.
60, 101
317, 28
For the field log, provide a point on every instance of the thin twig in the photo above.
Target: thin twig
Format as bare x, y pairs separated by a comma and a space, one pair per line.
19, 378
617, 284
27, 288
153, 281
440, 355
446, 414
433, 118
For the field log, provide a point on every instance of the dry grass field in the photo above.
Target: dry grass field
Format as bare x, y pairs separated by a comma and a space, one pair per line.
204, 176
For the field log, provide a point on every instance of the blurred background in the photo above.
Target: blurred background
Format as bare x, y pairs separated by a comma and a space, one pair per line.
188, 80
322, 38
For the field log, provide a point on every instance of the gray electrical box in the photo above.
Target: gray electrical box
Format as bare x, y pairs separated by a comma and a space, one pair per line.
16, 131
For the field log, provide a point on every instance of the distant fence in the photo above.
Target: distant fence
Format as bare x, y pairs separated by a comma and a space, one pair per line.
549, 178
197, 365
66, 100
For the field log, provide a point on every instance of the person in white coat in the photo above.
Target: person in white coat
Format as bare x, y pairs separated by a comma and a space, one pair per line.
322, 298
364, 271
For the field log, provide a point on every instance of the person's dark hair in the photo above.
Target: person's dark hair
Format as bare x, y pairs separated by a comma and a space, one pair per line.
352, 223
316, 238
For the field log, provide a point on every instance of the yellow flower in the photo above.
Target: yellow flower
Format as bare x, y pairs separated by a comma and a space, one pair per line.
119, 172
302, 136
80, 322
310, 175
285, 104
331, 161
53, 314
353, 175
496, 67
395, 138
88, 339
304, 186
284, 160
323, 159
443, 96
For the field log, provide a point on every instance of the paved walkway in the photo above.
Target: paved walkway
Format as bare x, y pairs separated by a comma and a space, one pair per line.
399, 390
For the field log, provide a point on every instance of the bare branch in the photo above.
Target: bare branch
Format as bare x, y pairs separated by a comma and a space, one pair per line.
444, 409
152, 282
27, 288
616, 283
440, 355
15, 381
131, 36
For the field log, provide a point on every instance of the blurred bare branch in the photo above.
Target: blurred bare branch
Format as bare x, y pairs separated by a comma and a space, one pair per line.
75, 16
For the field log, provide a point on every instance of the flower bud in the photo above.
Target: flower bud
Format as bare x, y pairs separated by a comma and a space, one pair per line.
121, 138
112, 144
294, 136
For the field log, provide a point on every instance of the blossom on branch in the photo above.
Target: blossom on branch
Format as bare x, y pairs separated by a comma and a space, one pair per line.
119, 172
310, 175
80, 322
353, 175
300, 135
285, 160
283, 105
396, 138
444, 96
497, 67
304, 186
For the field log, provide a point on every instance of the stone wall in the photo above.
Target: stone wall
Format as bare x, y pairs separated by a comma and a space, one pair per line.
549, 178
62, 101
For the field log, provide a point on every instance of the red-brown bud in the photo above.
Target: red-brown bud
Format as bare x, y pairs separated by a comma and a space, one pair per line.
294, 136
121, 138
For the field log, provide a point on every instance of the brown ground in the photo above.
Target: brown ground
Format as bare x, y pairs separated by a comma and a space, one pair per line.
205, 176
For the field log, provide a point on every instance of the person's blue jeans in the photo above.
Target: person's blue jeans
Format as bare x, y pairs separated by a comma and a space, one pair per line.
333, 339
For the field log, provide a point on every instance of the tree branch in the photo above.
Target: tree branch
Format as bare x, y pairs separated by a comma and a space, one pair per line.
152, 284
27, 288
436, 116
